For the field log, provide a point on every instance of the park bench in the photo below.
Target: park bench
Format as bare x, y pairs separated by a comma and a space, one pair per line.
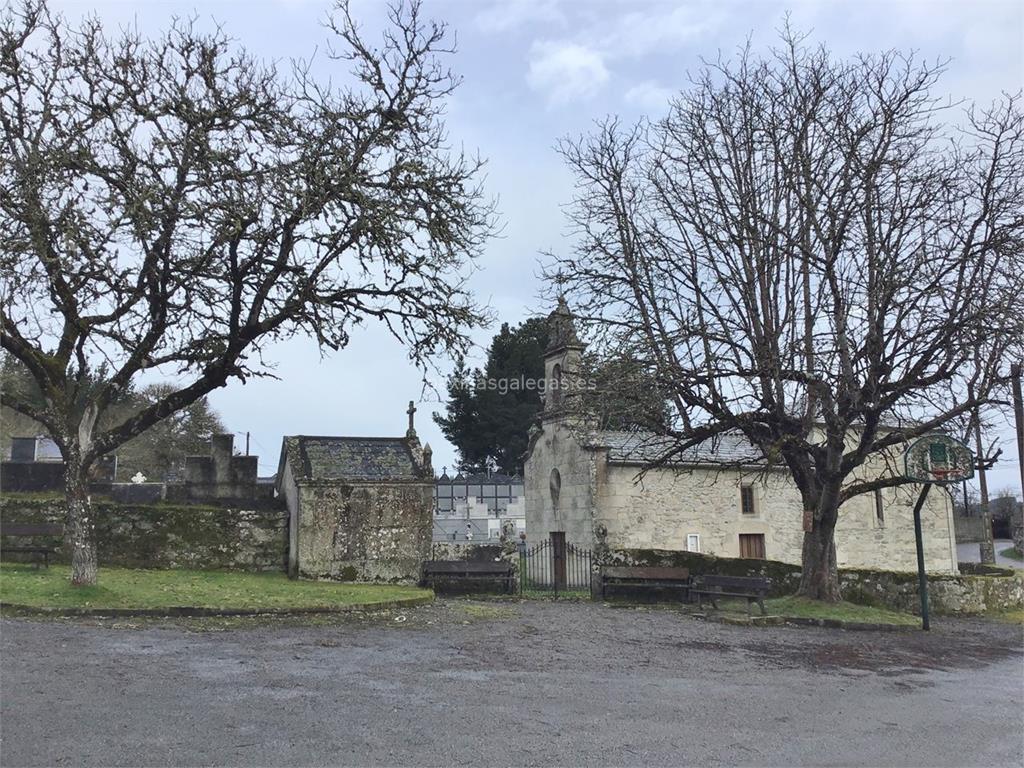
752, 588
22, 531
442, 573
614, 577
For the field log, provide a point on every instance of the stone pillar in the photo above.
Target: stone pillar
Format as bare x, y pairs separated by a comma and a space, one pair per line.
221, 450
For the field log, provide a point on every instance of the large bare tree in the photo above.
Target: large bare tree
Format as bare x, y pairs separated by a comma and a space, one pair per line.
174, 205
815, 253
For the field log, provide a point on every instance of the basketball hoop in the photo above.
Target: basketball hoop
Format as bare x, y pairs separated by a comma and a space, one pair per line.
938, 459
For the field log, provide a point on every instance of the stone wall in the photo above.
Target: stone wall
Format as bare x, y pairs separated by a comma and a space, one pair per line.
171, 535
573, 511
946, 593
785, 577
448, 550
996, 590
968, 529
364, 532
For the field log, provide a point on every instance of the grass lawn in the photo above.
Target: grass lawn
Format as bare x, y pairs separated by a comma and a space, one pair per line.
1013, 553
226, 590
815, 609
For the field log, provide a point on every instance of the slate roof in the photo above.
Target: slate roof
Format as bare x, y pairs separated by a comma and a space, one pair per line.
351, 458
643, 448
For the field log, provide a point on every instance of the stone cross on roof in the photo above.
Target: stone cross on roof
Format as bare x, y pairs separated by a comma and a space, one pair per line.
412, 427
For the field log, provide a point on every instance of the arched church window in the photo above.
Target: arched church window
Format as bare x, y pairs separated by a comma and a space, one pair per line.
555, 484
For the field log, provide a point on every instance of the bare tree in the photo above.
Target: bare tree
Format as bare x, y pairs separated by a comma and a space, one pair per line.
176, 205
812, 258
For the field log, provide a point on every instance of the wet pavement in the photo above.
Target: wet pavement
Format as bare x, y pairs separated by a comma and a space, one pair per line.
509, 683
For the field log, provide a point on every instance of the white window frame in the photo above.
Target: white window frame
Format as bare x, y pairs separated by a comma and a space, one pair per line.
689, 538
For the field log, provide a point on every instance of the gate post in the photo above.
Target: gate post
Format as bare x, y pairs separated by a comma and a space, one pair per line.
521, 546
558, 560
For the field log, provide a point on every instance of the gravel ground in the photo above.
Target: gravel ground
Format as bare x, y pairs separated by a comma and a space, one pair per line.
492, 683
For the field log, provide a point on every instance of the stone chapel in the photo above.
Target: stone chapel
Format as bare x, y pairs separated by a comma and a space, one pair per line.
720, 500
359, 508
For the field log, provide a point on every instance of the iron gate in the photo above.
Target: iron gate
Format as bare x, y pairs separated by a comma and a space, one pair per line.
556, 566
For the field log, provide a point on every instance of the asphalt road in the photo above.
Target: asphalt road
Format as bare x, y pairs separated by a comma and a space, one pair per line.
461, 683
971, 553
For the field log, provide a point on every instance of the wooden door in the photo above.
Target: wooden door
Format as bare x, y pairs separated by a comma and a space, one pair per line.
558, 558
752, 545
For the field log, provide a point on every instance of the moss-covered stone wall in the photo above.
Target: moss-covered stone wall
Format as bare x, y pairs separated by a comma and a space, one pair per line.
170, 535
995, 590
371, 531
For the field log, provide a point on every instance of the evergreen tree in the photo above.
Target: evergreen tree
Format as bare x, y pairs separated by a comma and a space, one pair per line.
489, 412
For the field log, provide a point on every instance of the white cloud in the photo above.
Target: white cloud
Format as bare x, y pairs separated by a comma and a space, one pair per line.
505, 15
565, 71
649, 95
639, 33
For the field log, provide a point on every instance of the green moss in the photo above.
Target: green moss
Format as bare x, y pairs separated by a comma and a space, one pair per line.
843, 611
892, 577
32, 497
859, 596
152, 589
348, 573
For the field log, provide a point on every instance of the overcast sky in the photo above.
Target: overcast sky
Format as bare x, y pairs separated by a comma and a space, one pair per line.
536, 70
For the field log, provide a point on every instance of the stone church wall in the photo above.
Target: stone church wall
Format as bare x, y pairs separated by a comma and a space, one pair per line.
365, 531
557, 448
662, 508
611, 505
171, 535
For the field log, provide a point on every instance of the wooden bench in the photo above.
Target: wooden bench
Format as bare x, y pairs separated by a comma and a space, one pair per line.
442, 572
752, 588
645, 577
31, 531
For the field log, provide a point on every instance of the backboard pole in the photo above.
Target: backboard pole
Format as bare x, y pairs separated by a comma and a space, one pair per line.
922, 577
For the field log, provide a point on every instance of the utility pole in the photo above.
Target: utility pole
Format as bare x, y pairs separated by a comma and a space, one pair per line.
988, 548
246, 443
1017, 520
1018, 417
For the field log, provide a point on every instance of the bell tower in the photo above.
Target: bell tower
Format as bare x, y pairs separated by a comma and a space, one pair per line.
562, 361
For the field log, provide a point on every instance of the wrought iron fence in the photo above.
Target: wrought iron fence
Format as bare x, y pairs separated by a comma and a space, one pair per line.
556, 566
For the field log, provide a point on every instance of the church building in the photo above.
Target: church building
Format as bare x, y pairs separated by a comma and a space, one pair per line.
720, 499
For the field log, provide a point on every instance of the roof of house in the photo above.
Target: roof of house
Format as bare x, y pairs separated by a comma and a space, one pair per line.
645, 448
350, 458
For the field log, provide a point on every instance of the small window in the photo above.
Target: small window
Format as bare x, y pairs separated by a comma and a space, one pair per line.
693, 542
747, 500
555, 484
752, 545
879, 508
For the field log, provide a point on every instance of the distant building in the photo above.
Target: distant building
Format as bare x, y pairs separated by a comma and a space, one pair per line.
39, 448
479, 505
35, 465
360, 508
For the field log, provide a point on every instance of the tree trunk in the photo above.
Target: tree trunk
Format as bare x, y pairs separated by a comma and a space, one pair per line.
819, 579
81, 529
